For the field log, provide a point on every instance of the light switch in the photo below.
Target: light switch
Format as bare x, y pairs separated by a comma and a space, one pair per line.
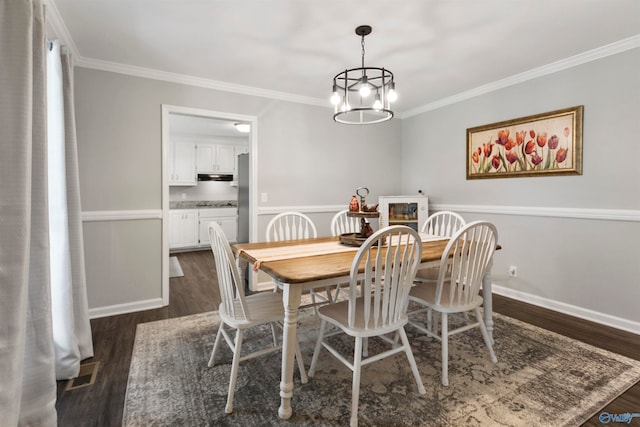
263, 197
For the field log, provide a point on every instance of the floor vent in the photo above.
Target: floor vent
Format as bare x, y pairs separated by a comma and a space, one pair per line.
87, 376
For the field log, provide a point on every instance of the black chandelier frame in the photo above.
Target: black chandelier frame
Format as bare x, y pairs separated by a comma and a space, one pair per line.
347, 85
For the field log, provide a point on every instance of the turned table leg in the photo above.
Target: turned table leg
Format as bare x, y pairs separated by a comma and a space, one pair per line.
291, 301
488, 300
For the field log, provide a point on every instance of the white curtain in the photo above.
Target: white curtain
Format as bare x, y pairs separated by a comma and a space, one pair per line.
71, 327
27, 378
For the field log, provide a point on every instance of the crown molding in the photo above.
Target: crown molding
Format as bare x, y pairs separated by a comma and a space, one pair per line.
60, 31
58, 28
573, 61
153, 74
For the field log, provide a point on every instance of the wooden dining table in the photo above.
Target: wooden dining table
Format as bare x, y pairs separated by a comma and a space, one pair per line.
300, 265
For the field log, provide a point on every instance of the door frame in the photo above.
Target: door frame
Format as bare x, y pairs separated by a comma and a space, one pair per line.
253, 174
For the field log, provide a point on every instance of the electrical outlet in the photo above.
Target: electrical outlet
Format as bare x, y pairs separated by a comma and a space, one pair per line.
513, 271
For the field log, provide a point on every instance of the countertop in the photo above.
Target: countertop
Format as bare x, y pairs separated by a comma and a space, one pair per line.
203, 204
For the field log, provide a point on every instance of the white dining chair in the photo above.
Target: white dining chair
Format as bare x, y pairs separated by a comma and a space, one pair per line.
462, 267
387, 263
343, 224
290, 226
440, 224
239, 312
293, 226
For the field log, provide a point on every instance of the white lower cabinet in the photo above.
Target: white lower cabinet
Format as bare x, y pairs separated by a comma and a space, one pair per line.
183, 228
225, 217
228, 225
189, 228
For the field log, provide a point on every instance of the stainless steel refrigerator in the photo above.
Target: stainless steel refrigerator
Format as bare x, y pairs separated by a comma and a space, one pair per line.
243, 198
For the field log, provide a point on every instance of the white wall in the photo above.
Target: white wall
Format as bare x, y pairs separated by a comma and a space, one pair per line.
589, 267
584, 266
304, 159
205, 190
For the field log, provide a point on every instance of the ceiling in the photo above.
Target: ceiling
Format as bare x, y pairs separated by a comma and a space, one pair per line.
198, 126
291, 49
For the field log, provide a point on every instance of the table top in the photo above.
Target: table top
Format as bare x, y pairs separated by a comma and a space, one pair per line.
309, 268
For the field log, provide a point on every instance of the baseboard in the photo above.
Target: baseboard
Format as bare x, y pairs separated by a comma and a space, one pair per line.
572, 310
113, 310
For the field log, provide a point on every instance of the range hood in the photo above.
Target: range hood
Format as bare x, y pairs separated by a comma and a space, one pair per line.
215, 177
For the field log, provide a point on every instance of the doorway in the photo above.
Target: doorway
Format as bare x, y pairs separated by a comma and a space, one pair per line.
170, 112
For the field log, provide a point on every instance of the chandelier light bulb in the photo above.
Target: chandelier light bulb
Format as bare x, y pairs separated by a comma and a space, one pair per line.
335, 98
392, 96
377, 104
365, 89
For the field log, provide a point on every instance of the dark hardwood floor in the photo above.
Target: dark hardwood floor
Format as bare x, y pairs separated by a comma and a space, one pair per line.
101, 404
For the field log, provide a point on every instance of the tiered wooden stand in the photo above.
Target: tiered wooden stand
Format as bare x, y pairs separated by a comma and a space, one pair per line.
357, 239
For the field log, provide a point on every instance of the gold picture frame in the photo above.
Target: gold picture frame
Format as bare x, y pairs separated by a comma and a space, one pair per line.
542, 144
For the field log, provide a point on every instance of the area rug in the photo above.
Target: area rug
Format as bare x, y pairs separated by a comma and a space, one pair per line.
175, 270
541, 379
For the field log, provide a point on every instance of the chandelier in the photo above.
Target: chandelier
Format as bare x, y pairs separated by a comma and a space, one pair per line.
363, 95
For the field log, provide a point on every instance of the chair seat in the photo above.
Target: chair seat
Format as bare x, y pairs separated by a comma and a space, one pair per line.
426, 294
265, 307
428, 274
337, 314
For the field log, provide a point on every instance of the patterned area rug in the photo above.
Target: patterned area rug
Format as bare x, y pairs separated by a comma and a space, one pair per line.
541, 379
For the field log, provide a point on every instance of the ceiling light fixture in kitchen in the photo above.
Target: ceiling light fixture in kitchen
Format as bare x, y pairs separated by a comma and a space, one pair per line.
363, 95
243, 127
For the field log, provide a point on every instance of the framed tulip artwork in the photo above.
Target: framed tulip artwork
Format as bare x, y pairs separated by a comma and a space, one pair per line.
542, 144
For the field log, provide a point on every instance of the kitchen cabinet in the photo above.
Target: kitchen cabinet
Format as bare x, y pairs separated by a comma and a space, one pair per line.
182, 163
215, 158
183, 228
227, 218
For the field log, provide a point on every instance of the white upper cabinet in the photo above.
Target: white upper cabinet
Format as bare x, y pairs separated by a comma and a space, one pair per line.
182, 163
226, 158
216, 158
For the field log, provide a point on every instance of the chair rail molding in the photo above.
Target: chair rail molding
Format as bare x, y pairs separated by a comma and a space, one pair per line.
124, 215
274, 210
577, 213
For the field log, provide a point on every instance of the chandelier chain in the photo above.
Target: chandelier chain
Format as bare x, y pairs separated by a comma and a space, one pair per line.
362, 44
